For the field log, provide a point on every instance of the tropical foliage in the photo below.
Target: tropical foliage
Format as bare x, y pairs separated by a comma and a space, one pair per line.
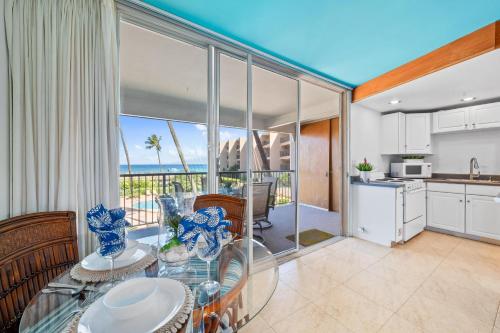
364, 166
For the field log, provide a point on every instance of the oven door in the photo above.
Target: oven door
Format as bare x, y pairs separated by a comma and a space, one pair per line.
414, 204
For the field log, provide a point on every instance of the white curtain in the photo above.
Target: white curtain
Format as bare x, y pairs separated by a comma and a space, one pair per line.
63, 81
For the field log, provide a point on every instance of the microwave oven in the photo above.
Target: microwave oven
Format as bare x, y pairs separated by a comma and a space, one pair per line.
411, 170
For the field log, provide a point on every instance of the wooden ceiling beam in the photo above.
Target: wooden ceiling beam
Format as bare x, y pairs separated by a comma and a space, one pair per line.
472, 45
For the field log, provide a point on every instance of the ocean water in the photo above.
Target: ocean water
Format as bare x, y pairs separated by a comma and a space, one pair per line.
155, 168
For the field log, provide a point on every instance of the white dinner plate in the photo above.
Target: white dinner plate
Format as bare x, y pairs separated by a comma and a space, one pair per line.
133, 253
162, 307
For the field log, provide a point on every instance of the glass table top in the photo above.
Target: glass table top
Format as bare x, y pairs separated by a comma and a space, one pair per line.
247, 284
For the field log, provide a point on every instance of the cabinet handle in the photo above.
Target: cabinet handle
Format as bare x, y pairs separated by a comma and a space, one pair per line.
466, 125
474, 125
461, 200
468, 201
428, 145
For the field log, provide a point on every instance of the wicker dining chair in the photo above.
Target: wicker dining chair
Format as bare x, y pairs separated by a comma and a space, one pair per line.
34, 249
235, 208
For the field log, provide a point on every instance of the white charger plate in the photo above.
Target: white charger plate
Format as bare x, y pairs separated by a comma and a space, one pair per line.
162, 307
134, 252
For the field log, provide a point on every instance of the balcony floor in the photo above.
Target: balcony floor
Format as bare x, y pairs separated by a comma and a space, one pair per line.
283, 221
284, 225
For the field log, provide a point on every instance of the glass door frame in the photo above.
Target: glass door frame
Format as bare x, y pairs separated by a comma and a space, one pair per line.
156, 20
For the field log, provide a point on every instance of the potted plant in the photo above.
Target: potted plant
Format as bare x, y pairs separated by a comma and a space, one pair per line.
364, 169
413, 159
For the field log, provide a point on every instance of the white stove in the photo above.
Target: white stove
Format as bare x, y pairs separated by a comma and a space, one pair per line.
414, 205
409, 184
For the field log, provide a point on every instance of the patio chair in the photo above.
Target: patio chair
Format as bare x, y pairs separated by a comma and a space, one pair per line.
272, 197
34, 249
235, 209
261, 192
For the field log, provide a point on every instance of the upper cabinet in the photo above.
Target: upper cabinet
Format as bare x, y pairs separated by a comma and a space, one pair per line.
468, 118
406, 133
451, 120
393, 133
485, 116
418, 133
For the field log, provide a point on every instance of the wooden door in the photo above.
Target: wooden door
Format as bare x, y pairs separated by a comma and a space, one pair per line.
314, 164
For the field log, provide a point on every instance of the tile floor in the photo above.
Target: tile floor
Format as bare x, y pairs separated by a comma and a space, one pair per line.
434, 283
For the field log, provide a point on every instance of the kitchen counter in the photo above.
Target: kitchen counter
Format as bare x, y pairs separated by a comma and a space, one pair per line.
491, 180
355, 181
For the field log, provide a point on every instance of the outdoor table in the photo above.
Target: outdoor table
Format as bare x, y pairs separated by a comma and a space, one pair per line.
246, 287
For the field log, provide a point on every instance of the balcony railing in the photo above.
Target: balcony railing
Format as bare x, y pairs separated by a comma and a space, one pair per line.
138, 191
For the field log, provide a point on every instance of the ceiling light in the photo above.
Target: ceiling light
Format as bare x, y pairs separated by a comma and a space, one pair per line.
395, 101
468, 99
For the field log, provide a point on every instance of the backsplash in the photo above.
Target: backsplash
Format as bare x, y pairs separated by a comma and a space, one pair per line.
452, 151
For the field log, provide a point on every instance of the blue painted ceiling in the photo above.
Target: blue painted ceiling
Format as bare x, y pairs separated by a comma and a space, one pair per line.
349, 41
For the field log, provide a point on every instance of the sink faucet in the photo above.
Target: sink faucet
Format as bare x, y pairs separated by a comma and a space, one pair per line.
474, 165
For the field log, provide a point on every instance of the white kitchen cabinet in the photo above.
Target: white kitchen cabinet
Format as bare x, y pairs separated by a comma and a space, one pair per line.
393, 133
446, 211
482, 216
406, 133
450, 120
418, 133
485, 116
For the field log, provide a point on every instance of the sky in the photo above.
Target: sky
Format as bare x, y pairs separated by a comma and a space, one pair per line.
192, 138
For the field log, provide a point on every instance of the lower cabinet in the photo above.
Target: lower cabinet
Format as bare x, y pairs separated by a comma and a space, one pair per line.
482, 216
446, 211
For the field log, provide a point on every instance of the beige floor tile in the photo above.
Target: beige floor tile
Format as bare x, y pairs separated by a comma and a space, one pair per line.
335, 268
486, 272
397, 275
420, 264
284, 302
309, 319
289, 266
311, 258
256, 325
497, 319
432, 244
353, 310
496, 330
308, 282
387, 294
364, 247
434, 316
483, 249
476, 302
355, 256
396, 324
339, 244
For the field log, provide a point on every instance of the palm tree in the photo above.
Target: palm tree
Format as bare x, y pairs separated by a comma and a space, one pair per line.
126, 151
181, 154
153, 142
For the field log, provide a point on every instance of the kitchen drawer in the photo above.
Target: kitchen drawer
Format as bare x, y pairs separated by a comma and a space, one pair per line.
447, 188
488, 190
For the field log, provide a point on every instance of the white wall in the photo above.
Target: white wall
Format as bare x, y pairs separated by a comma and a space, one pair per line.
365, 138
4, 124
452, 151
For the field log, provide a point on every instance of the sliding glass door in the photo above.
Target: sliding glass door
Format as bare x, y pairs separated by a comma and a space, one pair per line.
274, 120
198, 119
164, 84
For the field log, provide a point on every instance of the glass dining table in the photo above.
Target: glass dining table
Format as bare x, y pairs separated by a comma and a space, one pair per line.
246, 269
